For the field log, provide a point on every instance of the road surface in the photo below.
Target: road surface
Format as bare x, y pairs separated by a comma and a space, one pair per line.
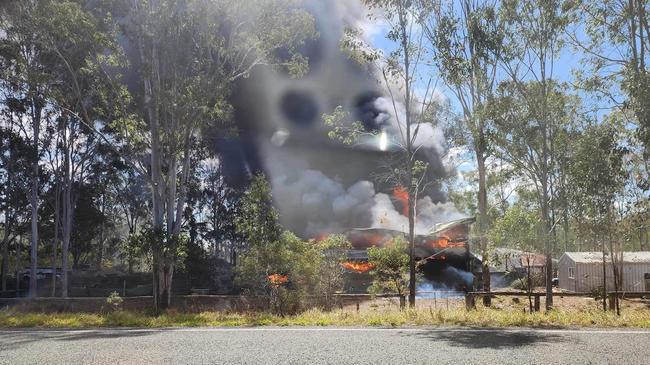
324, 346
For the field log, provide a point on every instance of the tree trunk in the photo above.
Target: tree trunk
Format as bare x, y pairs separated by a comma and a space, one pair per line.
5, 263
529, 286
165, 275
67, 218
604, 280
546, 236
33, 197
55, 241
19, 245
100, 243
482, 224
615, 251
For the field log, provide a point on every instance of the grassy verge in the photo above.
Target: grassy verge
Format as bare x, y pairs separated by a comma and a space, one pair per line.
482, 317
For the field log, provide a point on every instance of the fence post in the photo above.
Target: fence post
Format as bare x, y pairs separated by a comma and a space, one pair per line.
612, 302
470, 301
537, 300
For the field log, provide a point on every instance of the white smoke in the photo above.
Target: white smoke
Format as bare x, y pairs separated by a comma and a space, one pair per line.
323, 205
429, 135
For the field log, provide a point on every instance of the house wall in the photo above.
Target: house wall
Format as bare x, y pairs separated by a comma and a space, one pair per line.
589, 276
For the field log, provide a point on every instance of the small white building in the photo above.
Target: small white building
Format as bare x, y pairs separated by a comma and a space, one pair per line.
583, 271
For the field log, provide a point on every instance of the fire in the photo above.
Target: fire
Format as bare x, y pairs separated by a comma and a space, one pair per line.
402, 196
445, 242
321, 236
359, 267
277, 279
367, 240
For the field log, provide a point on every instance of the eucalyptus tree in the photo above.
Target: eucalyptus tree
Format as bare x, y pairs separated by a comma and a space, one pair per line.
519, 140
185, 57
77, 41
534, 33
597, 177
14, 176
402, 72
27, 83
614, 37
466, 41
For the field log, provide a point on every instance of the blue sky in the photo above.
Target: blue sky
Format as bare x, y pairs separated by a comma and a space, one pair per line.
563, 67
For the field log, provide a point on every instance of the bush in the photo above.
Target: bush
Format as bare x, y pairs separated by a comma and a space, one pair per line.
330, 276
115, 301
391, 271
285, 271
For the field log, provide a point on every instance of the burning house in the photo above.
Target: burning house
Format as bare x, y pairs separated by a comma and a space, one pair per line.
321, 186
443, 255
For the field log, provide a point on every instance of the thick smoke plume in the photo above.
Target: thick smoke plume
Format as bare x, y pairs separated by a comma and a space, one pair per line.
320, 186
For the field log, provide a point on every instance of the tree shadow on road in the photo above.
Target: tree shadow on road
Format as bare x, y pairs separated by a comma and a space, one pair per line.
494, 339
11, 339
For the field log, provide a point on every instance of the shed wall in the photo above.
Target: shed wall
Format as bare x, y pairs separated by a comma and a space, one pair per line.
565, 282
589, 276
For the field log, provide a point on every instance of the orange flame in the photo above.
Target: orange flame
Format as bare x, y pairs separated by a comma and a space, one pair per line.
321, 236
402, 196
359, 267
367, 240
444, 242
277, 279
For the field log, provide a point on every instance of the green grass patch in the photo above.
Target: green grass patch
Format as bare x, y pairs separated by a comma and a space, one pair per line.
482, 317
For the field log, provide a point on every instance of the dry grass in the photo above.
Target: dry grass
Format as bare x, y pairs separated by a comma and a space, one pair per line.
482, 317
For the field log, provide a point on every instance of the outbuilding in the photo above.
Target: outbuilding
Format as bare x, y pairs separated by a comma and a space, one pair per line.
583, 271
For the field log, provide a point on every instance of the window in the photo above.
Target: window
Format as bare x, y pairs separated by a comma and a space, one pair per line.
572, 273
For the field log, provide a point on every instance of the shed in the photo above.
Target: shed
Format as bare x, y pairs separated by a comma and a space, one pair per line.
508, 265
583, 271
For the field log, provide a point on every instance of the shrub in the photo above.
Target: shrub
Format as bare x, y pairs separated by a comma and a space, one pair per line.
330, 276
115, 301
390, 272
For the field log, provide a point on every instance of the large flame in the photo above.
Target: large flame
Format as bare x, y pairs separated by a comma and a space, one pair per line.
444, 242
359, 267
321, 236
402, 196
278, 279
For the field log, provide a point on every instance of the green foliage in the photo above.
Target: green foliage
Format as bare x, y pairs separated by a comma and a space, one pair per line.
518, 228
257, 219
341, 129
332, 253
596, 172
151, 241
391, 267
115, 300
279, 265
287, 257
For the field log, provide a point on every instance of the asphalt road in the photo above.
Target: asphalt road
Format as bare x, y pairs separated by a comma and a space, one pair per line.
324, 346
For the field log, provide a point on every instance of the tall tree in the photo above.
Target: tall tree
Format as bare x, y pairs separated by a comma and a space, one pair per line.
77, 40
466, 40
187, 55
402, 73
25, 57
614, 36
534, 33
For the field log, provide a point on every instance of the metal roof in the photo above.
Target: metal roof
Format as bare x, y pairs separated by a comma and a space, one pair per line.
440, 227
597, 257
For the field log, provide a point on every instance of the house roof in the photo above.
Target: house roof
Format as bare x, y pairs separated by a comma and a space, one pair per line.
506, 259
597, 257
440, 227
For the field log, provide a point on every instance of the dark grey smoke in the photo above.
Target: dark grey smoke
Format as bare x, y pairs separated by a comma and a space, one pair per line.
320, 185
